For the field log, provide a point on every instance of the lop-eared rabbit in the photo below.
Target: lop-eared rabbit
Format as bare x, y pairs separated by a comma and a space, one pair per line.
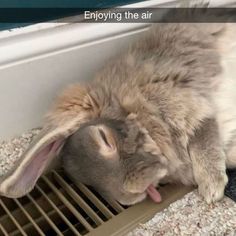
163, 110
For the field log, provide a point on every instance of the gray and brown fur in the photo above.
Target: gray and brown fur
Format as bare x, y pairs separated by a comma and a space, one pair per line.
169, 80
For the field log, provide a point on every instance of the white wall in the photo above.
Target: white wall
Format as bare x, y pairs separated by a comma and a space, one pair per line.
28, 85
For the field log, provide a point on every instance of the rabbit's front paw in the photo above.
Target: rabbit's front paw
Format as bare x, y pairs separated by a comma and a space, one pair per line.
212, 189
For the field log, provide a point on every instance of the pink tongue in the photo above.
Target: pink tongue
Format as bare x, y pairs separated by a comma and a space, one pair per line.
153, 194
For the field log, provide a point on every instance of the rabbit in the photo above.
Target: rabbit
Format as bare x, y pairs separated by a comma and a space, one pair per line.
173, 85
179, 101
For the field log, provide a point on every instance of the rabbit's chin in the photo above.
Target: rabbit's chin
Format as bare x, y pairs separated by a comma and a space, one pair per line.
151, 191
137, 199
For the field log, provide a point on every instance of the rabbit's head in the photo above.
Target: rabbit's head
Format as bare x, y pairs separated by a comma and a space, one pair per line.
111, 156
115, 155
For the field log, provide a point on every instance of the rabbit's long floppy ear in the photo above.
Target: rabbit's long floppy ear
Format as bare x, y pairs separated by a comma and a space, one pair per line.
73, 108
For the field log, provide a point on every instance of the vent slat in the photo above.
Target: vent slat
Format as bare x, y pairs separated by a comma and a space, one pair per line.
57, 210
29, 217
95, 200
45, 215
78, 199
12, 218
3, 230
39, 220
52, 209
116, 205
68, 204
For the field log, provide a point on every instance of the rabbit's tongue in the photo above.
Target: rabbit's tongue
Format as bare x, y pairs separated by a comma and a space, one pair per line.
153, 194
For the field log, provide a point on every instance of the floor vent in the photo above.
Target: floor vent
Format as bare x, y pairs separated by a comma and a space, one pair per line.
59, 207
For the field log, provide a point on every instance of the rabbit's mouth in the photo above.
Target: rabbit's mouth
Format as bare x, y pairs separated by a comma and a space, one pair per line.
153, 193
133, 198
151, 190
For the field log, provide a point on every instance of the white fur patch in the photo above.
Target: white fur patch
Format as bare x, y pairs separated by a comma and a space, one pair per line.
225, 97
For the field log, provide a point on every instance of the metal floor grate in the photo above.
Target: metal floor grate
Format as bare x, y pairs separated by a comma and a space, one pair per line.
59, 207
